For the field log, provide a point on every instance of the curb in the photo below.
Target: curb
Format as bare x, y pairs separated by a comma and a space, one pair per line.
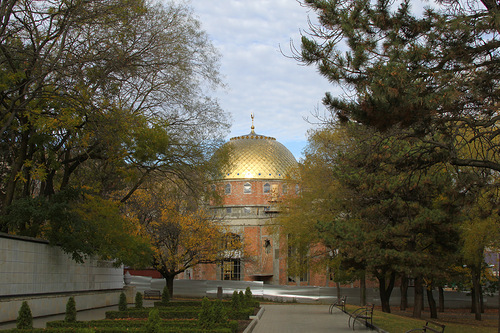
255, 320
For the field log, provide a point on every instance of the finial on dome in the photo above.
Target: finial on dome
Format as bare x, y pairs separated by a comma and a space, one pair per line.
253, 127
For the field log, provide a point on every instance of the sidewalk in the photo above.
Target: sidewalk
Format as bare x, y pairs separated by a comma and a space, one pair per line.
291, 318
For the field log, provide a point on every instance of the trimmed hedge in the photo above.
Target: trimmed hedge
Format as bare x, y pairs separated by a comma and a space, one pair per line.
187, 313
120, 323
177, 303
119, 330
176, 313
133, 324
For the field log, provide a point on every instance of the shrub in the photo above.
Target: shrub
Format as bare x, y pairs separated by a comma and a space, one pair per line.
235, 301
25, 319
205, 318
122, 305
165, 296
138, 300
154, 322
248, 296
219, 312
241, 296
70, 310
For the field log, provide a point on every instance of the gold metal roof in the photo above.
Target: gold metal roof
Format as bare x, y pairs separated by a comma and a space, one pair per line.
259, 157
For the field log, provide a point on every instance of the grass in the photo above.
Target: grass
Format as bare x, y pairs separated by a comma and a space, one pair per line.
456, 320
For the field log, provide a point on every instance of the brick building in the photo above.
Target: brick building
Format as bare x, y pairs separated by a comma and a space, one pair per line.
261, 173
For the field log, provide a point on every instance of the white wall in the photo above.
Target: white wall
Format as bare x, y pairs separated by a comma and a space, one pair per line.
32, 270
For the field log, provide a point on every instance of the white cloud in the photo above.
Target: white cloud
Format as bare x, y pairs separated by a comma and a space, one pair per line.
261, 80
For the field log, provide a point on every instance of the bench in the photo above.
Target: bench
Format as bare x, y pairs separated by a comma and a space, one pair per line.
152, 294
429, 326
340, 303
364, 313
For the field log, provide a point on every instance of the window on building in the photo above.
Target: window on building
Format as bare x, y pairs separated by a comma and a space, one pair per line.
227, 189
231, 269
229, 210
247, 210
267, 188
213, 187
247, 188
297, 189
285, 189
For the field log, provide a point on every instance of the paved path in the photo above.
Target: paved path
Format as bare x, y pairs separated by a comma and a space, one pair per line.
300, 318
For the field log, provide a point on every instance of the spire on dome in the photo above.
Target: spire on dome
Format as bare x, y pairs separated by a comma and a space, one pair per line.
253, 127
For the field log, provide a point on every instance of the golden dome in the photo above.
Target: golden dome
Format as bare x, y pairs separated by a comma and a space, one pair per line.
259, 157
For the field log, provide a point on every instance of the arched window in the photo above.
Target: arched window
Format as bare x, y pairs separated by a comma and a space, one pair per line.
227, 189
267, 188
247, 188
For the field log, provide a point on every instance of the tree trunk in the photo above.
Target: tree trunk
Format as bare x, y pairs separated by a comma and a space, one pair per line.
476, 290
10, 186
441, 299
473, 301
385, 290
432, 302
419, 298
404, 293
170, 284
339, 294
362, 289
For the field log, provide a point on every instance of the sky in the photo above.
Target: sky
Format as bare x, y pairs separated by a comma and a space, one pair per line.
259, 78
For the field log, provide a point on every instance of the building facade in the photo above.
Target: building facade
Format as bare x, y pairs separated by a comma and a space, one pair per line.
261, 172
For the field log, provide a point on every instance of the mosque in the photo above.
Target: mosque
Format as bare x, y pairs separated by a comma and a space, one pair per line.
262, 171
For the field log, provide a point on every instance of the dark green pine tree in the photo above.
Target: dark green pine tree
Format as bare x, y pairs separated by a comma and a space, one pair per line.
395, 220
434, 70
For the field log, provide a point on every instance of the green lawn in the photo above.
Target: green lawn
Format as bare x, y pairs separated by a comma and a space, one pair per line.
393, 323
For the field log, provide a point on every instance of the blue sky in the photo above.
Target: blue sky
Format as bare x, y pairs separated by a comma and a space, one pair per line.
259, 78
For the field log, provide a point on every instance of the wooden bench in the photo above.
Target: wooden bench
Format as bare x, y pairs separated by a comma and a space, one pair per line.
364, 313
152, 294
429, 326
340, 303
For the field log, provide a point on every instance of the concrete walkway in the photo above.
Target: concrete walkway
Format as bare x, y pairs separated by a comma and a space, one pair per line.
291, 318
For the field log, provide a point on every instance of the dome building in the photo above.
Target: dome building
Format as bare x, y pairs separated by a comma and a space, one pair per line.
259, 173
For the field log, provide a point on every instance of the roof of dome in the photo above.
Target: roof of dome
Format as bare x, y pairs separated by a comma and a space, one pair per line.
258, 156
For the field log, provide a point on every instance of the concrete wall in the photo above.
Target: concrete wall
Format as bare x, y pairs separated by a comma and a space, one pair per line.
46, 277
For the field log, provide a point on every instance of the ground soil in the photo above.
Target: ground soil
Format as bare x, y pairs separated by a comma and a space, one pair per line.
242, 325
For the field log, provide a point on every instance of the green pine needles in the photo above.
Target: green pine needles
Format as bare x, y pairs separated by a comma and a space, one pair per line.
122, 305
24, 319
154, 322
70, 310
212, 313
138, 300
165, 296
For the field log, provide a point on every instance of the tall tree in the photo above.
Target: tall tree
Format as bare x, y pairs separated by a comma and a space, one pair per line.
392, 219
479, 232
100, 96
117, 87
434, 71
182, 235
